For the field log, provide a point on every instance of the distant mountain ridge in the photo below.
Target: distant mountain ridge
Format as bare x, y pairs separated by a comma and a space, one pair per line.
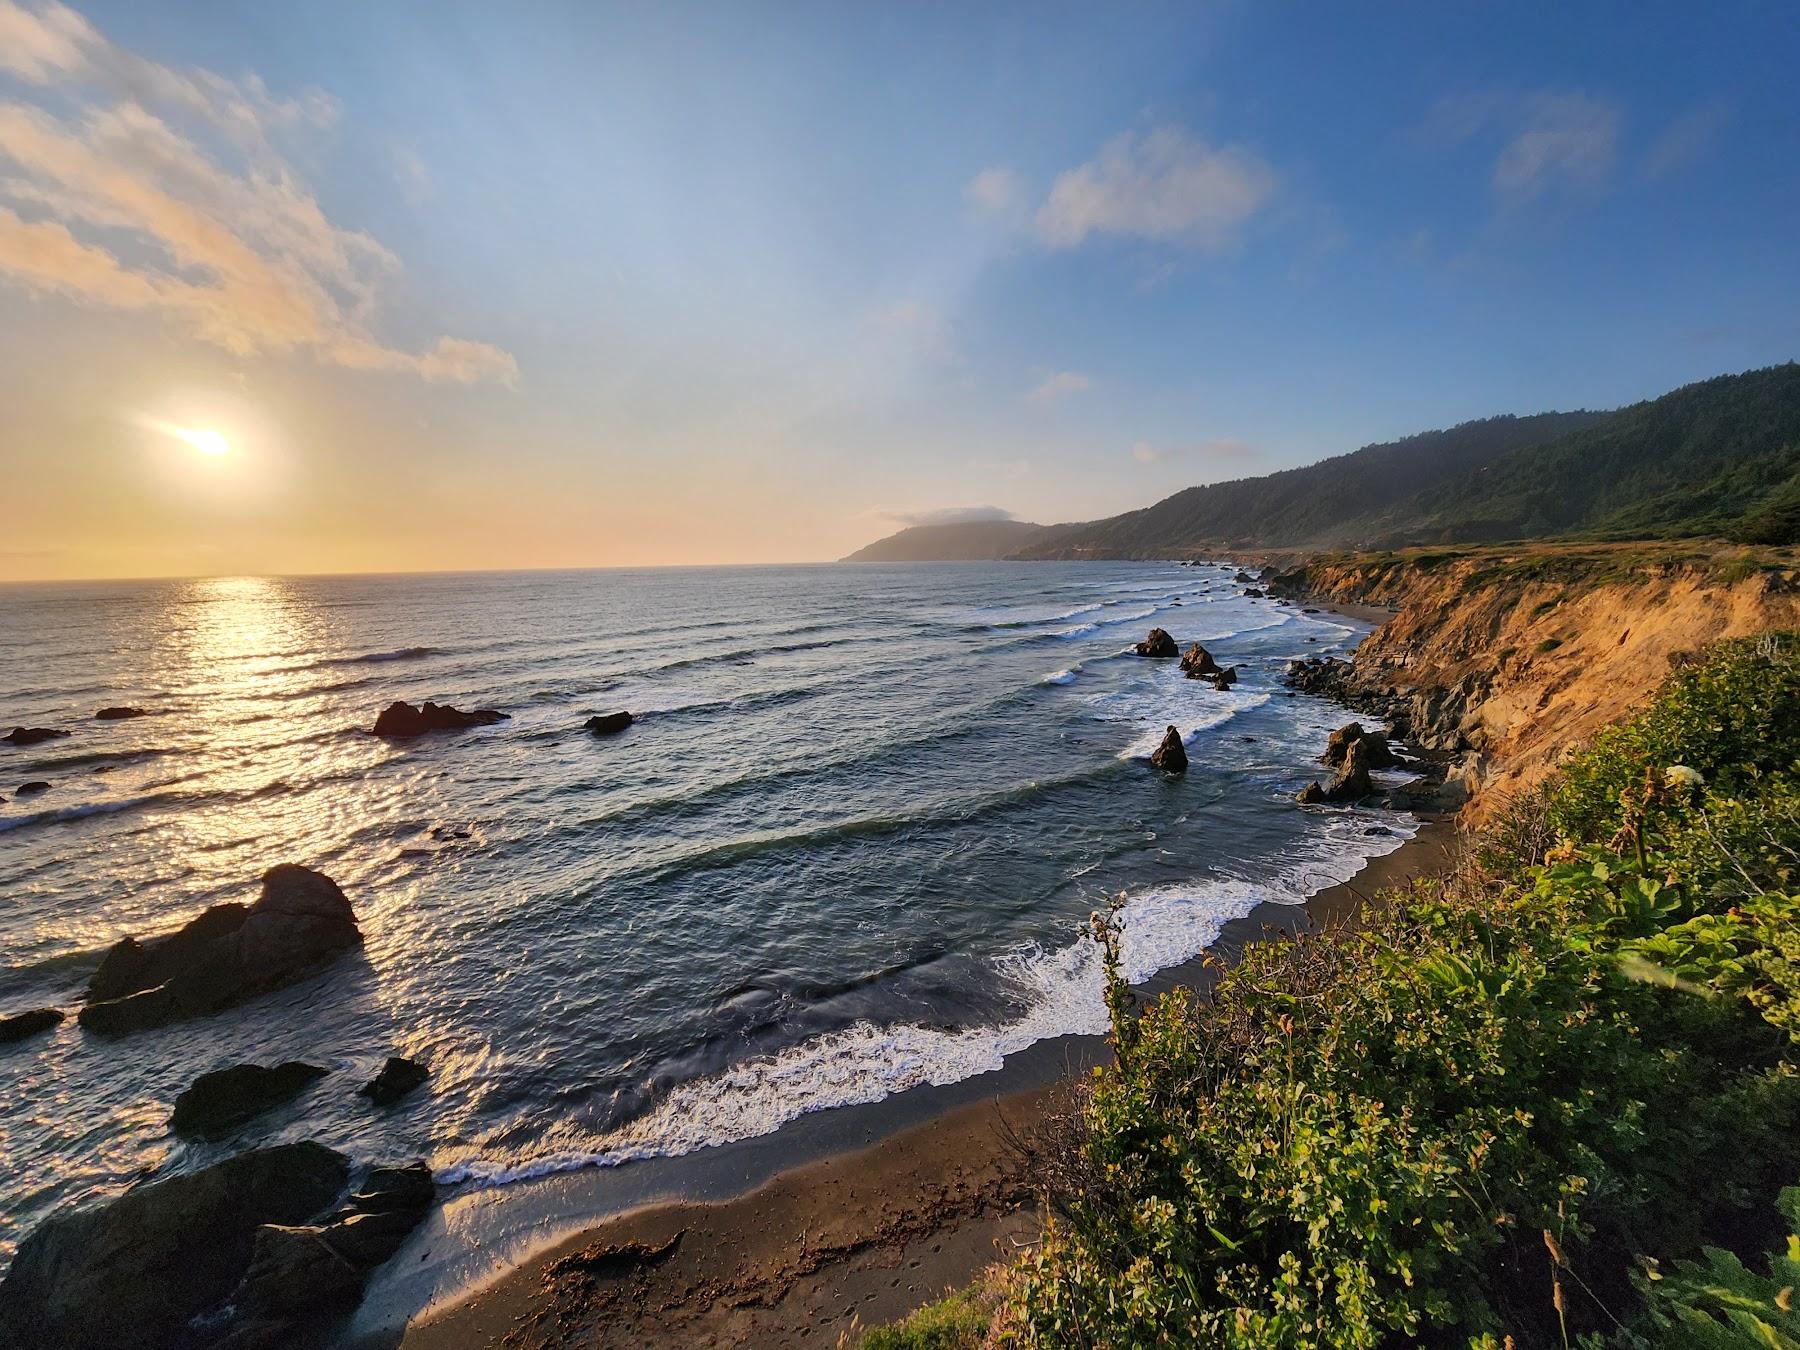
961, 541
1719, 457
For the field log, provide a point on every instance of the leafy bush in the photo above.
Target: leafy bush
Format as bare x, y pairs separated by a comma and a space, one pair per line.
958, 1321
1462, 1120
1719, 1304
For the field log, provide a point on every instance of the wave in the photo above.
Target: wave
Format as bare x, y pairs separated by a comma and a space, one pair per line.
1191, 726
1065, 676
1061, 993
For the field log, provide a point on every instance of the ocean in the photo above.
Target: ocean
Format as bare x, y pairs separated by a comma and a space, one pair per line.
849, 847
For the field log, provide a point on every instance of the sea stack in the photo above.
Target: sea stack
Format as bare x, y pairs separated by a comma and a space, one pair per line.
1158, 644
402, 721
1171, 755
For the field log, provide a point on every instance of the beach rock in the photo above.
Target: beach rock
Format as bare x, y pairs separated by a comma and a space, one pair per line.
31, 735
219, 1102
402, 721
228, 954
1380, 756
608, 724
1243, 578
134, 1272
298, 1272
398, 1077
18, 1026
119, 714
32, 788
1197, 662
1171, 755
1158, 644
1352, 781
1224, 679
1310, 795
1252, 593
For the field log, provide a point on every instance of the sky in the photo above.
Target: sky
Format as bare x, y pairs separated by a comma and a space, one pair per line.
562, 285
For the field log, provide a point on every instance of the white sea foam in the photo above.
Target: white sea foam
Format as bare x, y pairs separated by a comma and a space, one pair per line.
1062, 993
1222, 708
1065, 676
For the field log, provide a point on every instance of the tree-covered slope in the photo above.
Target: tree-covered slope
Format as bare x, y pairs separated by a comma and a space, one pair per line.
1321, 504
1695, 461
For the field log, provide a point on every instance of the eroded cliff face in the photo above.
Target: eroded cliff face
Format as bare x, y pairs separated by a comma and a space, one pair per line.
1514, 657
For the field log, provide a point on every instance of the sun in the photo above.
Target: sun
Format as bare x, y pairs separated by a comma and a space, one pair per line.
204, 439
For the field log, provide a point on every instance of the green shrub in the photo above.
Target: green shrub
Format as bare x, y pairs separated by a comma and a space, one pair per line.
1464, 1119
1549, 644
958, 1321
1718, 1304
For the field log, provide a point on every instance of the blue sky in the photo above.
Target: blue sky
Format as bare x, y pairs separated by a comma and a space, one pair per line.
754, 282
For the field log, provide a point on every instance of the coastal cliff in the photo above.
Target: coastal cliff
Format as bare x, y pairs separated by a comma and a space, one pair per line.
1511, 657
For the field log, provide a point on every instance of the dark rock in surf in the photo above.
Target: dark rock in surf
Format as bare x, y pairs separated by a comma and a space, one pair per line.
32, 788
1352, 781
31, 735
226, 955
119, 714
608, 724
1171, 755
402, 721
298, 1272
132, 1274
1252, 593
1379, 755
398, 1077
1243, 578
1224, 679
1197, 662
1158, 644
219, 1102
20, 1025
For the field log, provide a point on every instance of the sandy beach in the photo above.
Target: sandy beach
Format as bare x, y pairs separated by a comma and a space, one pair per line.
829, 1247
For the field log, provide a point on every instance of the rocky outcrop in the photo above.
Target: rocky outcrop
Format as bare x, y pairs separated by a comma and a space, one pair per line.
131, 1274
31, 735
402, 721
119, 714
1198, 663
220, 1101
398, 1077
608, 724
1171, 755
1224, 679
1158, 644
299, 1273
1378, 754
228, 954
1352, 782
17, 1026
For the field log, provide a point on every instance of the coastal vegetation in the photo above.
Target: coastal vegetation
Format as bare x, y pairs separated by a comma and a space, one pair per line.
1548, 1100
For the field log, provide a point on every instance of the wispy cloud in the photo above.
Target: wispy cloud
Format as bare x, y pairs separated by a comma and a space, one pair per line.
1162, 185
1056, 386
947, 515
997, 191
1224, 450
1549, 139
1685, 140
223, 236
917, 324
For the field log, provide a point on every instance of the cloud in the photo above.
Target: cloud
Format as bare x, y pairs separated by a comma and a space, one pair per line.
997, 191
1063, 382
948, 515
917, 324
1549, 139
179, 172
1568, 138
1685, 140
1162, 185
1224, 450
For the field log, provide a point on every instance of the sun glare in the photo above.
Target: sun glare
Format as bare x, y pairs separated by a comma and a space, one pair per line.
204, 439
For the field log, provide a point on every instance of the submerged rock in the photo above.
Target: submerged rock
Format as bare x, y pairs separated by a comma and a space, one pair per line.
133, 1273
398, 1077
119, 714
403, 721
608, 724
32, 788
1158, 644
18, 1026
1171, 755
1197, 662
226, 955
219, 1102
31, 735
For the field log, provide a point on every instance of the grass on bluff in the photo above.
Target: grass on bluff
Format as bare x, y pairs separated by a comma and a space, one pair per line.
1551, 1101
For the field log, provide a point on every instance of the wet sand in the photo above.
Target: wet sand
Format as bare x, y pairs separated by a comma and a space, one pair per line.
836, 1223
